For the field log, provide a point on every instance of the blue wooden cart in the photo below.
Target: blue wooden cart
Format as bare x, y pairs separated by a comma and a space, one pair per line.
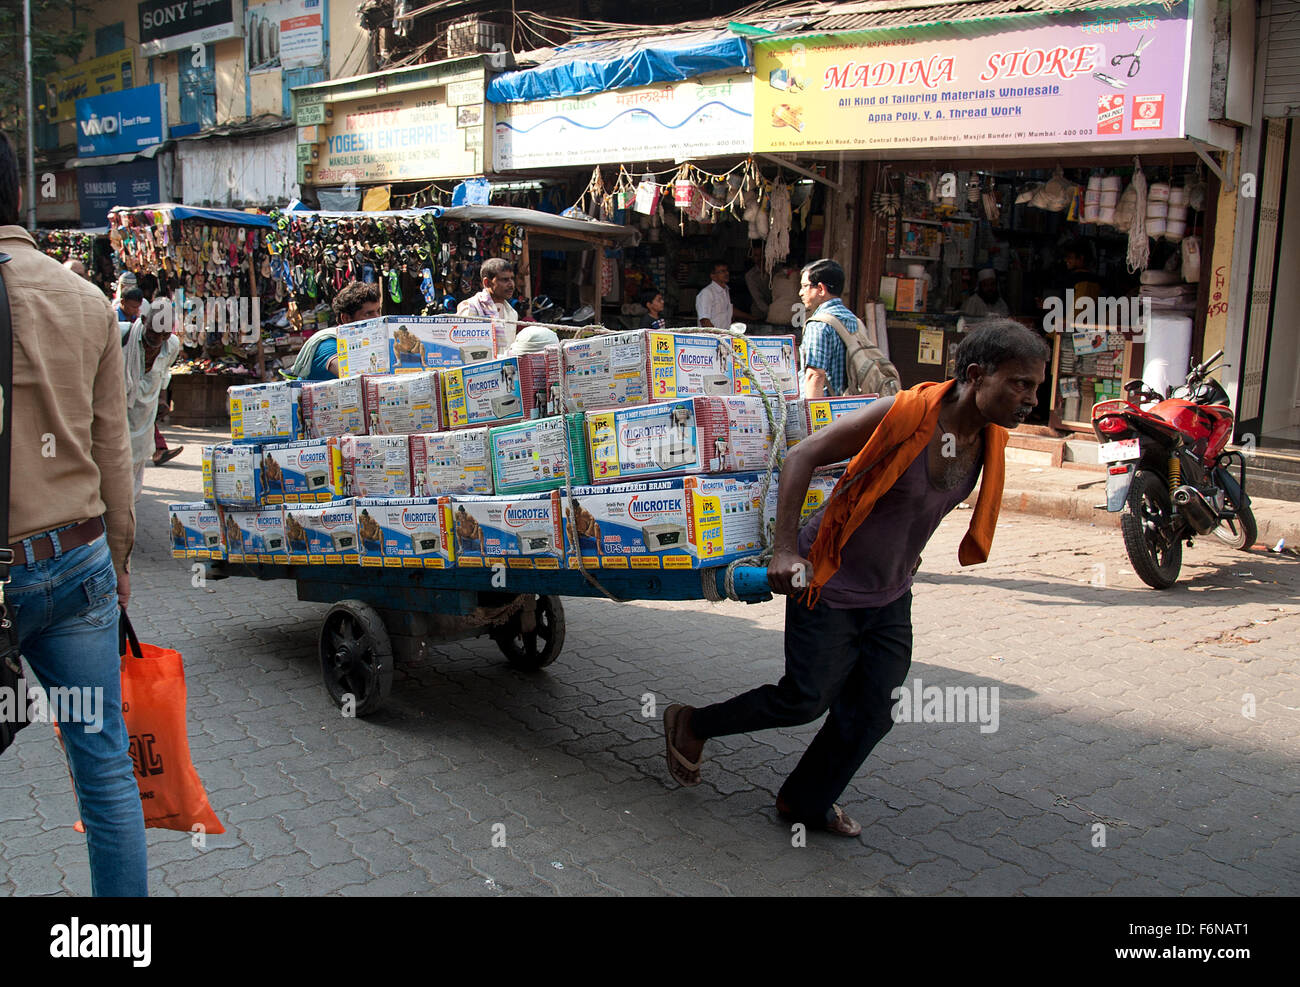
380, 615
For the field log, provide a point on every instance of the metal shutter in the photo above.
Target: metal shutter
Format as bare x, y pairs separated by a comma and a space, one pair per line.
1282, 76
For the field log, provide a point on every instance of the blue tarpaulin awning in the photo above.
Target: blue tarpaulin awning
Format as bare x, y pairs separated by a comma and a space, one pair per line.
232, 216
598, 66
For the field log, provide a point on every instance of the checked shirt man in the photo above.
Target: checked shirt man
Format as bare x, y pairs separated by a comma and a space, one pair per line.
822, 353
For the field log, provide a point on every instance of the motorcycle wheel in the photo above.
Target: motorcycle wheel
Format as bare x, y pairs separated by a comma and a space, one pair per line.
1153, 545
1240, 533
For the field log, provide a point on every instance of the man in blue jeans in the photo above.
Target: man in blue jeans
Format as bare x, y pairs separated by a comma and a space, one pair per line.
71, 527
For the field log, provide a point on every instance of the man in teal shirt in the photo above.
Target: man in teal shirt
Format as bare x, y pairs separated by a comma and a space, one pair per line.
318, 359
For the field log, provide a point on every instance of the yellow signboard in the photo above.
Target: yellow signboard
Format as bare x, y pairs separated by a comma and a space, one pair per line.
106, 74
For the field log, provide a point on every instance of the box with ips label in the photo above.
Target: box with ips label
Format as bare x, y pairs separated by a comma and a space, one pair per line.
236, 472
689, 435
522, 530
365, 348
451, 463
685, 365
774, 362
679, 523
307, 472
608, 371
491, 393
808, 415
333, 407
265, 412
820, 488
256, 536
537, 455
322, 534
401, 404
375, 465
196, 531
433, 342
412, 533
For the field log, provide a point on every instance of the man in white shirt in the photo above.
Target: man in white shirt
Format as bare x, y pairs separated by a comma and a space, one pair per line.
713, 303
986, 302
493, 302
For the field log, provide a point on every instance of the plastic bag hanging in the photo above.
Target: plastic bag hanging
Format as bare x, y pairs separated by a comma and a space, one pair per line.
777, 248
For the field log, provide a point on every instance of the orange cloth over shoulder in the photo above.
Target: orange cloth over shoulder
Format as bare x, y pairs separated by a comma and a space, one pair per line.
901, 436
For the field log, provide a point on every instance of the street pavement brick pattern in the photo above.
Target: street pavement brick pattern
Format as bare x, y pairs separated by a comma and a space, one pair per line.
1124, 761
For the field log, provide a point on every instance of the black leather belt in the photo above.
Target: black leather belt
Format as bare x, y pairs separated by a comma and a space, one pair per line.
69, 538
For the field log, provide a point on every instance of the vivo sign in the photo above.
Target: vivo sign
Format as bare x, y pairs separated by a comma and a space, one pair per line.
122, 122
166, 25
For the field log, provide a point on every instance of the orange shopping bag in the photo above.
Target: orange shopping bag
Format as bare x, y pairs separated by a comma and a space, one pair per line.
153, 704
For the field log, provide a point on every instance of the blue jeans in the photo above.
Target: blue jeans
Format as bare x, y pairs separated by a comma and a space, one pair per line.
65, 609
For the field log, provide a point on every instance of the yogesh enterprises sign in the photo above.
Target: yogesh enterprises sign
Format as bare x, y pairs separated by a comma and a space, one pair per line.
166, 25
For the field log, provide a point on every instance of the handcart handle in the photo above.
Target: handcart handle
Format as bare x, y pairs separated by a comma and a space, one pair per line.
748, 581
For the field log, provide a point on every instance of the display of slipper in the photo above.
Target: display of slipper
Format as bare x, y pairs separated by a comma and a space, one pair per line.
686, 773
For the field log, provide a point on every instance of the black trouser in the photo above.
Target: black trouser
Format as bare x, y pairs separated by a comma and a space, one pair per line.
847, 661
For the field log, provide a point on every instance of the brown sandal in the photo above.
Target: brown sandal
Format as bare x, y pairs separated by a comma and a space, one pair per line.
841, 824
686, 773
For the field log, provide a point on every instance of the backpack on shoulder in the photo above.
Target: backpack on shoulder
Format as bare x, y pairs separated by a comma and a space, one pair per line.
867, 369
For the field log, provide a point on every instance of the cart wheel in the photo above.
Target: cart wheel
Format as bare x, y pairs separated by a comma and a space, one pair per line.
532, 649
356, 657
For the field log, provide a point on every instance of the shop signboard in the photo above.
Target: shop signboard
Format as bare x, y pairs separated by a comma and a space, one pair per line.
284, 34
121, 123
107, 74
100, 189
56, 202
699, 117
1094, 76
168, 25
407, 136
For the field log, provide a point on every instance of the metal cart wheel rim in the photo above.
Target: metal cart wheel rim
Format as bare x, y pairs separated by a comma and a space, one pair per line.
356, 657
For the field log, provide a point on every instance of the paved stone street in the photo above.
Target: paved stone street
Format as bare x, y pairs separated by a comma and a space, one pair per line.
1121, 719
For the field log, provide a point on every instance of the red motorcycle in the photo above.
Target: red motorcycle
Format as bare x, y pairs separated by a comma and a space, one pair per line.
1168, 473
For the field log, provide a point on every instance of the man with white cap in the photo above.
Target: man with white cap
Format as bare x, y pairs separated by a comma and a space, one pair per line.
986, 302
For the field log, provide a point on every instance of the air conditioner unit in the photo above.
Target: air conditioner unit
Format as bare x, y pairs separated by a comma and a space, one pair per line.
506, 406
426, 542
536, 542
475, 353
662, 537
344, 541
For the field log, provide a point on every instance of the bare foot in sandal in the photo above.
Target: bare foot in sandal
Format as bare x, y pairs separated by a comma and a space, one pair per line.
683, 747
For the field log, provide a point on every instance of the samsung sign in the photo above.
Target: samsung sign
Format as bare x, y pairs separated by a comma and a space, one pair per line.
122, 122
100, 189
166, 25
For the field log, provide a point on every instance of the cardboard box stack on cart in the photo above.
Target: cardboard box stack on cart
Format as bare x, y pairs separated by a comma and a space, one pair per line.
629, 450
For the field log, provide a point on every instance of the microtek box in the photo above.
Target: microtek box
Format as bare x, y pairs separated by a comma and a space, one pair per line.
687, 365
401, 404
322, 534
365, 348
608, 371
774, 362
411, 533
375, 465
820, 488
333, 407
491, 393
536, 455
196, 532
236, 472
522, 531
679, 523
808, 415
256, 536
307, 472
451, 463
265, 412
433, 343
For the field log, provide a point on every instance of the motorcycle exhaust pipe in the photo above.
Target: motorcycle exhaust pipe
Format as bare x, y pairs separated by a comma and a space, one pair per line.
1193, 506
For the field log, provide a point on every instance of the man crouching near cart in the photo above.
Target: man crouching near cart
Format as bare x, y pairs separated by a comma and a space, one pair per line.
848, 572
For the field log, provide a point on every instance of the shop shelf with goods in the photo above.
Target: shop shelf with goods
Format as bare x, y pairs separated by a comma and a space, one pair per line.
89, 247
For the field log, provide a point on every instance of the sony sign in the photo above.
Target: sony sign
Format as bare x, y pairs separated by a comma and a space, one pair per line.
168, 25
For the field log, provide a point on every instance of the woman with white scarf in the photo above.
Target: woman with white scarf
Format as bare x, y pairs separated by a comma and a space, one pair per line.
148, 353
